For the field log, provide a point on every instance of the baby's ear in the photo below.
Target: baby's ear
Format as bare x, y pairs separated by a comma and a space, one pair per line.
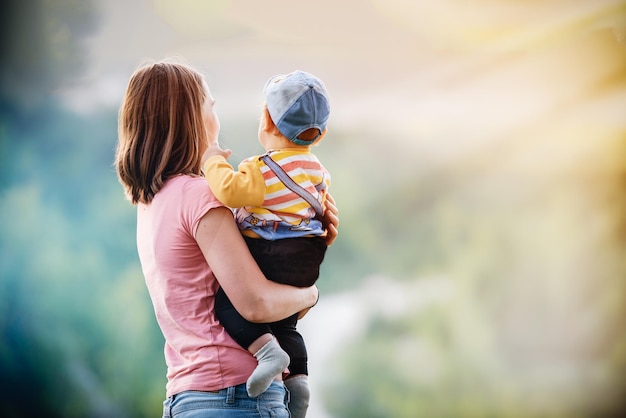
268, 123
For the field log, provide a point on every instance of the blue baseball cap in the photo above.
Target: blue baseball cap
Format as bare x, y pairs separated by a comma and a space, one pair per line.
296, 102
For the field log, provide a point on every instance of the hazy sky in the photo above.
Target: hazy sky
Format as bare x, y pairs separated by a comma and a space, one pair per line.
411, 70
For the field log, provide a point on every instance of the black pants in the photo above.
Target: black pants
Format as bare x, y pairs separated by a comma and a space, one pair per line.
292, 261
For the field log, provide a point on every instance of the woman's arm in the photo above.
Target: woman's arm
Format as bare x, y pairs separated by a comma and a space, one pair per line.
255, 298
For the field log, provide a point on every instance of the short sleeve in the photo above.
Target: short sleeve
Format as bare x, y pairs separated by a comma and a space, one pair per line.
197, 200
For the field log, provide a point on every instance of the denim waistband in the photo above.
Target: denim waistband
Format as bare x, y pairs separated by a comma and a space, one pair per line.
234, 397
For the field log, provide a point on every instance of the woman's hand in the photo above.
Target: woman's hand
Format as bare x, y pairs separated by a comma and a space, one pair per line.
305, 311
330, 220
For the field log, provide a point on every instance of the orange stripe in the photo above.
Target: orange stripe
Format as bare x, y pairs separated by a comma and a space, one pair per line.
268, 175
311, 165
280, 200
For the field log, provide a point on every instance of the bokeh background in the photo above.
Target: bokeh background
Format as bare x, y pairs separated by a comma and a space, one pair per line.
478, 154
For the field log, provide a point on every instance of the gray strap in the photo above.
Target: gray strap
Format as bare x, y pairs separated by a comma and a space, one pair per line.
292, 185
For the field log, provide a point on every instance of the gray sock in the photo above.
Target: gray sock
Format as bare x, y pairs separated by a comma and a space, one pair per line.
299, 394
272, 361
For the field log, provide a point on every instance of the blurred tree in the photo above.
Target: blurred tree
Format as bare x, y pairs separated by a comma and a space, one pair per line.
41, 48
62, 351
535, 326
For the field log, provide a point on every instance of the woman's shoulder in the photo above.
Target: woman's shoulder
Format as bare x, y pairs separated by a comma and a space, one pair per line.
189, 197
183, 179
185, 183
185, 188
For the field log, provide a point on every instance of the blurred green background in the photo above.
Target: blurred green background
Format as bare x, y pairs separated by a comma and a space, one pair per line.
478, 154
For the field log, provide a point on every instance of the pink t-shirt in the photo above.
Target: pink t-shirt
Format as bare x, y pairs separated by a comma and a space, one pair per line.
199, 353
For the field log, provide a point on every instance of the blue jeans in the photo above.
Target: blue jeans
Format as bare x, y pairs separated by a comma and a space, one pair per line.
232, 402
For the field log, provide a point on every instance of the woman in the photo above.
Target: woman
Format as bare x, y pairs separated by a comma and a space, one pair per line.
189, 245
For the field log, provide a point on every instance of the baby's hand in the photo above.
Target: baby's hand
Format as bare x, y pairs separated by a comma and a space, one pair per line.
214, 149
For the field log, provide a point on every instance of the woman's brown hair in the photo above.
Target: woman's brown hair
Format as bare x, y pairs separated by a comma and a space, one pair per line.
161, 131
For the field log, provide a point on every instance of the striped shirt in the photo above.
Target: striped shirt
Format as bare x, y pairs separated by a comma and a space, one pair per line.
266, 208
